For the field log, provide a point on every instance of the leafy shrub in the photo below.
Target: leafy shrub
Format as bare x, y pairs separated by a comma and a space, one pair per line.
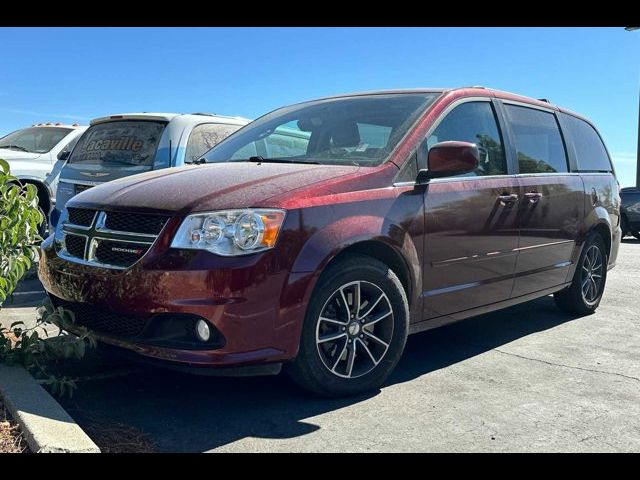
19, 221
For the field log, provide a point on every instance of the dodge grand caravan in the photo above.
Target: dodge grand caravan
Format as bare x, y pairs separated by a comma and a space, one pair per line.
394, 212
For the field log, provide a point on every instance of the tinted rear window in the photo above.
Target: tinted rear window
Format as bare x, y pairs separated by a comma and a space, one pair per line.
127, 142
591, 155
538, 140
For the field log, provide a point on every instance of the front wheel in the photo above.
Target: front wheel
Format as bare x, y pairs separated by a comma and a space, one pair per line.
587, 286
355, 329
43, 228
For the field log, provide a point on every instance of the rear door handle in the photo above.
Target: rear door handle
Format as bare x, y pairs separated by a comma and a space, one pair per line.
508, 198
533, 196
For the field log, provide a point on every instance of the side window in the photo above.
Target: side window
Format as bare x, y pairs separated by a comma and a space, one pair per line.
287, 141
538, 141
591, 155
69, 146
474, 122
204, 137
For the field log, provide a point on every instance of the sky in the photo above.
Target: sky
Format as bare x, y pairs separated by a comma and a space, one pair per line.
75, 74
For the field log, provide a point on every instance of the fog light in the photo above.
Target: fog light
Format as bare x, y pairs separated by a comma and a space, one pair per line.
202, 330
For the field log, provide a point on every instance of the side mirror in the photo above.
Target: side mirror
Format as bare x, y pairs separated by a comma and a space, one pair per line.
64, 155
446, 159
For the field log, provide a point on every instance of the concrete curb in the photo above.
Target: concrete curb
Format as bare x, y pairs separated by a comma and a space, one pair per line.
46, 426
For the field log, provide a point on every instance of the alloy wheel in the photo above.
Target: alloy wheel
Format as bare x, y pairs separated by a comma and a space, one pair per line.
354, 329
591, 277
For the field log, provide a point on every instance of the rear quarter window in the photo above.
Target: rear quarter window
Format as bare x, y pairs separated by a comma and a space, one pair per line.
591, 154
205, 136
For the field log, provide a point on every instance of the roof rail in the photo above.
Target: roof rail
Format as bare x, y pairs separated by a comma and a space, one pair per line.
204, 113
544, 100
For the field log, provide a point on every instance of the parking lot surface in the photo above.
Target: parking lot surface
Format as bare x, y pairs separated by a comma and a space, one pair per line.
529, 378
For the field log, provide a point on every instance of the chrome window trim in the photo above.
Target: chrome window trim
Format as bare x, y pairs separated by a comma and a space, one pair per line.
494, 177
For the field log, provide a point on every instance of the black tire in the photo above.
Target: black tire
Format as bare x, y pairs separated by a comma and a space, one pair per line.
43, 228
373, 279
624, 225
573, 299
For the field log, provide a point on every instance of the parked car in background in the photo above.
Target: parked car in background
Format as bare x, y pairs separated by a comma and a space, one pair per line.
630, 210
387, 213
125, 144
36, 155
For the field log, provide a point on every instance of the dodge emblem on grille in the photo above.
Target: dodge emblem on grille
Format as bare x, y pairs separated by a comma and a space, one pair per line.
135, 251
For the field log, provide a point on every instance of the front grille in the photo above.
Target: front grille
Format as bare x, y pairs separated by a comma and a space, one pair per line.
81, 216
102, 321
120, 254
75, 244
135, 223
109, 239
82, 188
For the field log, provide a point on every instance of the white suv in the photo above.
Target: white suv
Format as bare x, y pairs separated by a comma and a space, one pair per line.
37, 154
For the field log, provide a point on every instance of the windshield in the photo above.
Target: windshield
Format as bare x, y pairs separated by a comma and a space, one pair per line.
127, 142
358, 130
34, 140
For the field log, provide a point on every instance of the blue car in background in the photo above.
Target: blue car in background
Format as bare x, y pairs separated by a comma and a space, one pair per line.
126, 144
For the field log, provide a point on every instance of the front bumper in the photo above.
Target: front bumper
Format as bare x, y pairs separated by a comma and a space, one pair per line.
241, 297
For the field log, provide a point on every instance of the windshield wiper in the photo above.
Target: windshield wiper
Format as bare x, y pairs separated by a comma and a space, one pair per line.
16, 147
260, 159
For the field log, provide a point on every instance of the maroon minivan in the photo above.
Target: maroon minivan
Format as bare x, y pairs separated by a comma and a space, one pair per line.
320, 235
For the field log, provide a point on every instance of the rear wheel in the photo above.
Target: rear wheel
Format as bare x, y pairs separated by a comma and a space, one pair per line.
355, 329
587, 286
624, 225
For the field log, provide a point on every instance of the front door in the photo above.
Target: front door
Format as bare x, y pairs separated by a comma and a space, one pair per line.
470, 220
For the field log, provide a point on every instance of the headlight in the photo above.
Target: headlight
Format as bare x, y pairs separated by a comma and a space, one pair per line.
230, 232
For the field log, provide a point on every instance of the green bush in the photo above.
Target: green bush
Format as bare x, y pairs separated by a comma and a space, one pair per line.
19, 221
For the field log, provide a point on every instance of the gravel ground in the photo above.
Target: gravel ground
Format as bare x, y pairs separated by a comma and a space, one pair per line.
10, 436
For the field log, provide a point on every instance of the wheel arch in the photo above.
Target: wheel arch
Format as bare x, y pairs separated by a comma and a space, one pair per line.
44, 195
604, 230
383, 252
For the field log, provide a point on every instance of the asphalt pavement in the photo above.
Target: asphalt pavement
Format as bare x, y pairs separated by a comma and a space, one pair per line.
529, 378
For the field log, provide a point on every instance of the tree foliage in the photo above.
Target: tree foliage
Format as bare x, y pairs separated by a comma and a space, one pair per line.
19, 344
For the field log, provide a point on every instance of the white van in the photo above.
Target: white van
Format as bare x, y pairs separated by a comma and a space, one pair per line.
36, 155
125, 144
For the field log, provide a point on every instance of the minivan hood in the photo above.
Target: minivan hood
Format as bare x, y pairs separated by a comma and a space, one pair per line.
9, 155
210, 187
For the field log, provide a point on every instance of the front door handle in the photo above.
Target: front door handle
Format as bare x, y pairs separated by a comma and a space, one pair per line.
533, 197
508, 198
